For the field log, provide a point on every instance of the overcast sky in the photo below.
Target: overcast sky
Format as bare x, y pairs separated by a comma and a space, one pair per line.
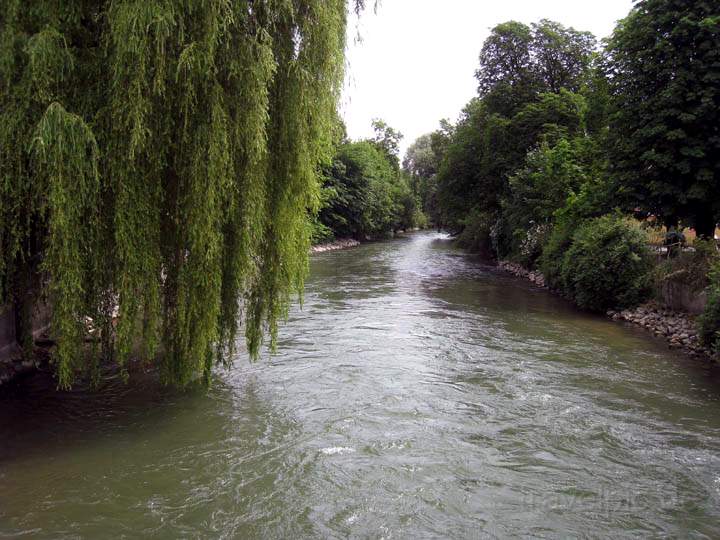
416, 60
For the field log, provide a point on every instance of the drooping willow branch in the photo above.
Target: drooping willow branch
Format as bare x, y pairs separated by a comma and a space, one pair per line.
157, 164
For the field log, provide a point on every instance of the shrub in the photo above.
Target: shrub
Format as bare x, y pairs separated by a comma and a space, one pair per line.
607, 264
320, 233
537, 190
709, 321
420, 220
551, 260
594, 199
530, 245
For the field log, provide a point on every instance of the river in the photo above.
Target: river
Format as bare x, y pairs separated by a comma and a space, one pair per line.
418, 393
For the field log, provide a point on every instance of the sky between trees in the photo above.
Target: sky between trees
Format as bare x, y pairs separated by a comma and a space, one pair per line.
416, 59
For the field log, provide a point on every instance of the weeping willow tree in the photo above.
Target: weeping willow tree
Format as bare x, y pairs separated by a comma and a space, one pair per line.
157, 164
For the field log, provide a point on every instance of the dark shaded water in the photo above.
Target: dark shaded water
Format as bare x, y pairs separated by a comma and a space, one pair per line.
418, 394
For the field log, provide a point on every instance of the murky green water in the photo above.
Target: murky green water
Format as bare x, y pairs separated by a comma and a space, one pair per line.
418, 394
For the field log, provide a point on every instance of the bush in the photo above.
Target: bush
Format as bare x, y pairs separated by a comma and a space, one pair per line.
531, 243
709, 321
594, 200
537, 190
551, 260
420, 220
607, 265
320, 233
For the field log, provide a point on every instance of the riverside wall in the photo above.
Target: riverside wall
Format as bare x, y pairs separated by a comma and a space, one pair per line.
343, 243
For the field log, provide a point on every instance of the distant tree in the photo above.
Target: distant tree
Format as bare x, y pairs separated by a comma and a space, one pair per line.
343, 199
506, 75
473, 170
420, 160
406, 206
535, 85
369, 168
366, 196
421, 163
486, 149
388, 140
561, 56
664, 62
440, 138
519, 62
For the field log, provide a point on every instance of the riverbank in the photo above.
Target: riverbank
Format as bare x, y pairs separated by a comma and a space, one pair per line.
13, 363
336, 245
14, 366
520, 271
678, 328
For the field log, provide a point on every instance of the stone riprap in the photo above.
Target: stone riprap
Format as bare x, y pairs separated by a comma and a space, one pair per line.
520, 271
343, 243
678, 328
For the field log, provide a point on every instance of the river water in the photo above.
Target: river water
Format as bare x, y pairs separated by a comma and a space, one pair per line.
417, 394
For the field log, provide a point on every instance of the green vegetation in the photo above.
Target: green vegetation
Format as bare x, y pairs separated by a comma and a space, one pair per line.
165, 165
565, 144
690, 268
709, 322
664, 67
422, 164
365, 195
162, 157
606, 265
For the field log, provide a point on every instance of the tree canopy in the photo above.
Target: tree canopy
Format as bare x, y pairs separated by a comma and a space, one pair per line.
531, 82
422, 163
664, 73
157, 164
387, 139
565, 144
519, 62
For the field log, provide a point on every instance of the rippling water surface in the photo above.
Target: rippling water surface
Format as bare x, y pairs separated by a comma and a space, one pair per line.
417, 394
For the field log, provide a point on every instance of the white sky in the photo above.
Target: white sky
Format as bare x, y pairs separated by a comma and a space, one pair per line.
416, 62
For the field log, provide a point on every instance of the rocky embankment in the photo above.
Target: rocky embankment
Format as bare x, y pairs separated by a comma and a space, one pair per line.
677, 328
343, 243
517, 270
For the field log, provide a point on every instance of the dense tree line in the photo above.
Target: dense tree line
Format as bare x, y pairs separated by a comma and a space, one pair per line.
640, 116
364, 193
567, 141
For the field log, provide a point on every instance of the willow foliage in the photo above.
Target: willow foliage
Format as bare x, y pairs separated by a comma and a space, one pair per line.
157, 164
